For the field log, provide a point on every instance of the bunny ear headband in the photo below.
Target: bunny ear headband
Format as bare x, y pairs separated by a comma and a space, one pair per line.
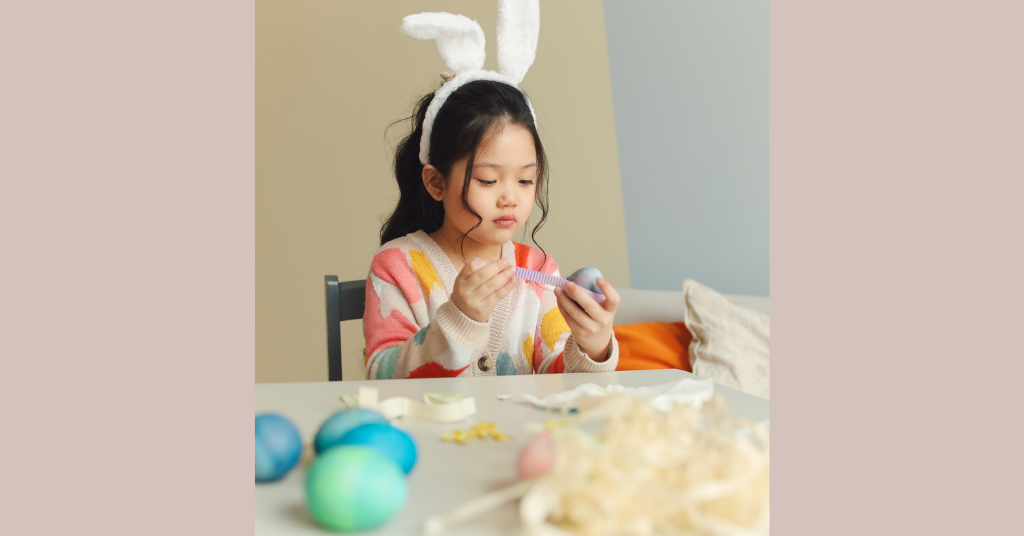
461, 44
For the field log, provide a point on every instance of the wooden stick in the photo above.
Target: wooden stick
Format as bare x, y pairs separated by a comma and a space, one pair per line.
436, 524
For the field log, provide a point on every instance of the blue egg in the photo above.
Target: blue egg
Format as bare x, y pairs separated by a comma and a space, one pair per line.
340, 423
278, 447
387, 440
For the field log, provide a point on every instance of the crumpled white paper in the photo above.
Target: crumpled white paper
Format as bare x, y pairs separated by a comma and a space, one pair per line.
662, 397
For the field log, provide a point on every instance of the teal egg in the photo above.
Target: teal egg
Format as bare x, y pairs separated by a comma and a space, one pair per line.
340, 423
352, 488
387, 440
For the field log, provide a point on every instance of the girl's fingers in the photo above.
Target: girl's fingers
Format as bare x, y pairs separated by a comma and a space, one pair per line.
504, 290
496, 282
586, 303
487, 272
611, 297
574, 326
571, 310
472, 267
464, 279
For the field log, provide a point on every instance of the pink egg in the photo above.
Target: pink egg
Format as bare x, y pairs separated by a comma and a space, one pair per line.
537, 456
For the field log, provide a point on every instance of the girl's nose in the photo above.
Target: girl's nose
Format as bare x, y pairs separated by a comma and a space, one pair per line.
508, 197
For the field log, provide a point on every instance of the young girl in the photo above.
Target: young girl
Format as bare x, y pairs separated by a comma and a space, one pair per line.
432, 308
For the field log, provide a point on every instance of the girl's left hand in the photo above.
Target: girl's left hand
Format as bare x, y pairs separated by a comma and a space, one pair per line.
590, 322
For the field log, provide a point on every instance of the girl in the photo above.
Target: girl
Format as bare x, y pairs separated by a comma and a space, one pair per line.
441, 299
434, 311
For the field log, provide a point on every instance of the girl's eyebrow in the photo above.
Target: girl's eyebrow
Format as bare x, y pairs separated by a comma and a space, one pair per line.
488, 164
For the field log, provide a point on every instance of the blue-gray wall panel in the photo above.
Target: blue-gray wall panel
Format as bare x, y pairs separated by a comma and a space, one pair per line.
690, 89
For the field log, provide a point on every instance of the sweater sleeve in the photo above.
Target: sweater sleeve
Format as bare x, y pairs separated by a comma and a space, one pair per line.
555, 349
401, 342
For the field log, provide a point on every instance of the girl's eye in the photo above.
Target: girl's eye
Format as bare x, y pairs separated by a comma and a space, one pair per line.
486, 183
526, 182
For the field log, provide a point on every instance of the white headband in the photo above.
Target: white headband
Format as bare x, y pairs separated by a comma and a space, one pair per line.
461, 44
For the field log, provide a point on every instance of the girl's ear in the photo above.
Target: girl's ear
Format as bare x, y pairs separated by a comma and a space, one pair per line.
433, 181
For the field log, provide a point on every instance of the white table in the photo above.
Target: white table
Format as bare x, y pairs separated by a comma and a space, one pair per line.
446, 474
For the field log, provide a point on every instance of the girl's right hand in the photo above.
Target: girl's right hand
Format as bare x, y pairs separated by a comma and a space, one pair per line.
481, 285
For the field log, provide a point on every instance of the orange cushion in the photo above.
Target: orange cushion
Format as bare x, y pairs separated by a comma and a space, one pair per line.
653, 345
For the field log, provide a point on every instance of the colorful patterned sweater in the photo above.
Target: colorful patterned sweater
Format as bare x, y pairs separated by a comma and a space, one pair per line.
412, 330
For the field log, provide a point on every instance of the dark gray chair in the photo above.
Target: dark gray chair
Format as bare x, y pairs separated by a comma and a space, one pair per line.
345, 301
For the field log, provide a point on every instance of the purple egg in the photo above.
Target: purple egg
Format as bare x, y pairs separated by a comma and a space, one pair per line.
587, 278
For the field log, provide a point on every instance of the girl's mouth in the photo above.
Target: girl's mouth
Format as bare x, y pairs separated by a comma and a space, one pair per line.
505, 221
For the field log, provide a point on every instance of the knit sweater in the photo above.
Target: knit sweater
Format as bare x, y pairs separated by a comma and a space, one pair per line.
413, 330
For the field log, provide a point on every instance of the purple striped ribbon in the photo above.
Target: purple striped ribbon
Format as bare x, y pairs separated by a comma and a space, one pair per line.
547, 279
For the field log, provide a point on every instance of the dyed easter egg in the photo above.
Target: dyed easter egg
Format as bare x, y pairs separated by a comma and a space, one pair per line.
537, 456
387, 440
340, 423
351, 488
278, 447
587, 278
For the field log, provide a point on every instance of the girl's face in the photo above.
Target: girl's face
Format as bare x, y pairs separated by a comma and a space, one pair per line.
503, 186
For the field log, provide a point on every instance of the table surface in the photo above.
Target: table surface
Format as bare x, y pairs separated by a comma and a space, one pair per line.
446, 474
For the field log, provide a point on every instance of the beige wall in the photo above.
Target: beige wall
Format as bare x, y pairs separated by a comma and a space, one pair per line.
330, 77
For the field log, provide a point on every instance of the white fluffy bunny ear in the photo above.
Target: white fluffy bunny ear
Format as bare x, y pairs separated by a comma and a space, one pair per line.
518, 30
459, 39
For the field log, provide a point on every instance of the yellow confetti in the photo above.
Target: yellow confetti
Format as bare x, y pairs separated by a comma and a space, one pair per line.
482, 430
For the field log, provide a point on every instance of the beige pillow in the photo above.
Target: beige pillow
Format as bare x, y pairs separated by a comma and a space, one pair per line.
730, 342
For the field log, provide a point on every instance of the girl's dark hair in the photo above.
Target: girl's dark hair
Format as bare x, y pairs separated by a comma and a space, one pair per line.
458, 129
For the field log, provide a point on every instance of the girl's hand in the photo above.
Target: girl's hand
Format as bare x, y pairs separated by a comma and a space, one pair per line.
481, 285
590, 322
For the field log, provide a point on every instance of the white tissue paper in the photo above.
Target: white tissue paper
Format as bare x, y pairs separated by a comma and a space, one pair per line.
661, 397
